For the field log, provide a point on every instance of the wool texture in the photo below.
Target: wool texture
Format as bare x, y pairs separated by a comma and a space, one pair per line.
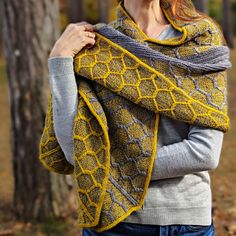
124, 82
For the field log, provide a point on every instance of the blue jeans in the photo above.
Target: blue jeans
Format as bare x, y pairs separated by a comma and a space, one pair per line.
133, 229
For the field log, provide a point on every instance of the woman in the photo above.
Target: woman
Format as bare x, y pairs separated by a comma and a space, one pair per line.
179, 197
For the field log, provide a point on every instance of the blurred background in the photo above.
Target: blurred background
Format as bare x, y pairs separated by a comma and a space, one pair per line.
32, 200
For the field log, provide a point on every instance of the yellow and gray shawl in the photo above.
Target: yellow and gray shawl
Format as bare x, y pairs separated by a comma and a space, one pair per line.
125, 81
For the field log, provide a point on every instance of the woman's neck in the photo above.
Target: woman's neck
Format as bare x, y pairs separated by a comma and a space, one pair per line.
150, 19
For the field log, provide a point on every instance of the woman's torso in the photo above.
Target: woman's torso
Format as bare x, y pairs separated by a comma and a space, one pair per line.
180, 200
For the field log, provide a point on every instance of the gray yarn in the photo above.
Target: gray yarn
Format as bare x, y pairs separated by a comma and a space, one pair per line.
215, 59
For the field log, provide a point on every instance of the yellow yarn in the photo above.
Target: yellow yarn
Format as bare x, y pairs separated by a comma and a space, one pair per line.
115, 130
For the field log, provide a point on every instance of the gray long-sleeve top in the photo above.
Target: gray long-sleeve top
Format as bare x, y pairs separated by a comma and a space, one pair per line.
183, 149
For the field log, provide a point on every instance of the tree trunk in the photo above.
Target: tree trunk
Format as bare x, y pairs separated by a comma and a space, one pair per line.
227, 23
30, 28
75, 11
103, 10
201, 5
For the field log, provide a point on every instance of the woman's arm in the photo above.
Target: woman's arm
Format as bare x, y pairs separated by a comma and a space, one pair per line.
62, 80
199, 152
64, 101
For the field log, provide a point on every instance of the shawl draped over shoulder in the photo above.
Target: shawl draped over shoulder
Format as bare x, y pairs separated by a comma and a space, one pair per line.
124, 82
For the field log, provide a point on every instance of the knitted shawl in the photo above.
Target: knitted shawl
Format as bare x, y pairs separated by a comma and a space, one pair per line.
124, 82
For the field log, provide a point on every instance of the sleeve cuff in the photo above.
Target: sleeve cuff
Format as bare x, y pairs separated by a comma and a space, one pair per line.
59, 66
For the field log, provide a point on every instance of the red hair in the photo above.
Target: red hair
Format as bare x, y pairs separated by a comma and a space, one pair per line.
184, 10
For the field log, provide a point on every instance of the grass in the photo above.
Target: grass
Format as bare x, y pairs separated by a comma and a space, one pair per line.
223, 177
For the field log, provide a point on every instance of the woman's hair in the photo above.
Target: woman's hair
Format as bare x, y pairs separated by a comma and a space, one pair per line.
184, 10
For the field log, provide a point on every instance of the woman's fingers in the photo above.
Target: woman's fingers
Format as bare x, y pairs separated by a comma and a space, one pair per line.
86, 26
86, 40
88, 34
74, 38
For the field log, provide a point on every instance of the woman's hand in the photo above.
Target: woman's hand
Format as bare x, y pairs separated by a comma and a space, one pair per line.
73, 39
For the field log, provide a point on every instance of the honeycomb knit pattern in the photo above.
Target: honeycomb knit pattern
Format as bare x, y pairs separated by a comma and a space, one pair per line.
124, 81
